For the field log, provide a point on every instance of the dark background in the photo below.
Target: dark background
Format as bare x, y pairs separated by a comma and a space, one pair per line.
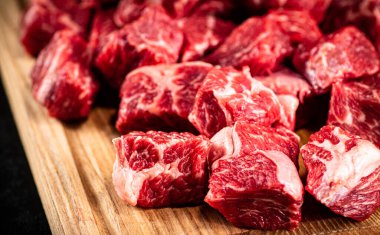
21, 211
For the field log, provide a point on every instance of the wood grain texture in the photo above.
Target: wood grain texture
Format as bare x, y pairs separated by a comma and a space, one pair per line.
72, 167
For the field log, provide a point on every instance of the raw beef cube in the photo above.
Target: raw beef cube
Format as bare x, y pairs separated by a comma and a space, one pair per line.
356, 105
102, 26
345, 54
253, 182
257, 43
157, 169
180, 8
220, 8
79, 11
289, 105
361, 13
130, 10
343, 172
262, 43
297, 25
316, 8
286, 82
160, 96
227, 96
202, 35
61, 79
39, 24
153, 39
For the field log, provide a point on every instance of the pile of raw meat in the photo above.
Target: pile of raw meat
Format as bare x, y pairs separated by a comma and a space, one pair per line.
211, 92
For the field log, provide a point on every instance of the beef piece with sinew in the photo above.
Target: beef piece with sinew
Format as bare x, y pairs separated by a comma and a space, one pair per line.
253, 181
345, 54
263, 42
152, 39
316, 8
160, 97
361, 13
157, 169
355, 105
61, 78
202, 35
343, 172
227, 96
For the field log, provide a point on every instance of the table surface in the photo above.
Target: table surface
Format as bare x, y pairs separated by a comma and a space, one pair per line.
21, 211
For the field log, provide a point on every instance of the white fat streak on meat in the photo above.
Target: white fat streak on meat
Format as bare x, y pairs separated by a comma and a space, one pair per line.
222, 142
229, 140
242, 52
201, 47
228, 90
287, 173
346, 169
230, 144
164, 77
321, 58
52, 62
128, 182
289, 105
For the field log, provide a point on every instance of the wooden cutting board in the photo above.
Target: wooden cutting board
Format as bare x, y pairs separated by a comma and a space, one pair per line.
72, 166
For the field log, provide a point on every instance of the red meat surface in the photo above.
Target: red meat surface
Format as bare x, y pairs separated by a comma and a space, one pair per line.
61, 79
202, 35
102, 26
39, 24
157, 169
79, 11
130, 10
144, 42
297, 25
220, 8
345, 54
253, 181
227, 96
343, 172
256, 43
355, 105
361, 13
263, 42
291, 90
160, 97
316, 8
286, 82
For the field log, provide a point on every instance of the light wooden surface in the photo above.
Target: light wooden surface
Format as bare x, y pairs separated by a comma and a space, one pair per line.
72, 166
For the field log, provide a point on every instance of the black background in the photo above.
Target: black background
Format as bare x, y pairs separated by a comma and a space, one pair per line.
21, 211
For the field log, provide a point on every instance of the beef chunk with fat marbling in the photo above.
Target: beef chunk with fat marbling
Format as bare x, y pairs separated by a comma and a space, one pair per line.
157, 169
